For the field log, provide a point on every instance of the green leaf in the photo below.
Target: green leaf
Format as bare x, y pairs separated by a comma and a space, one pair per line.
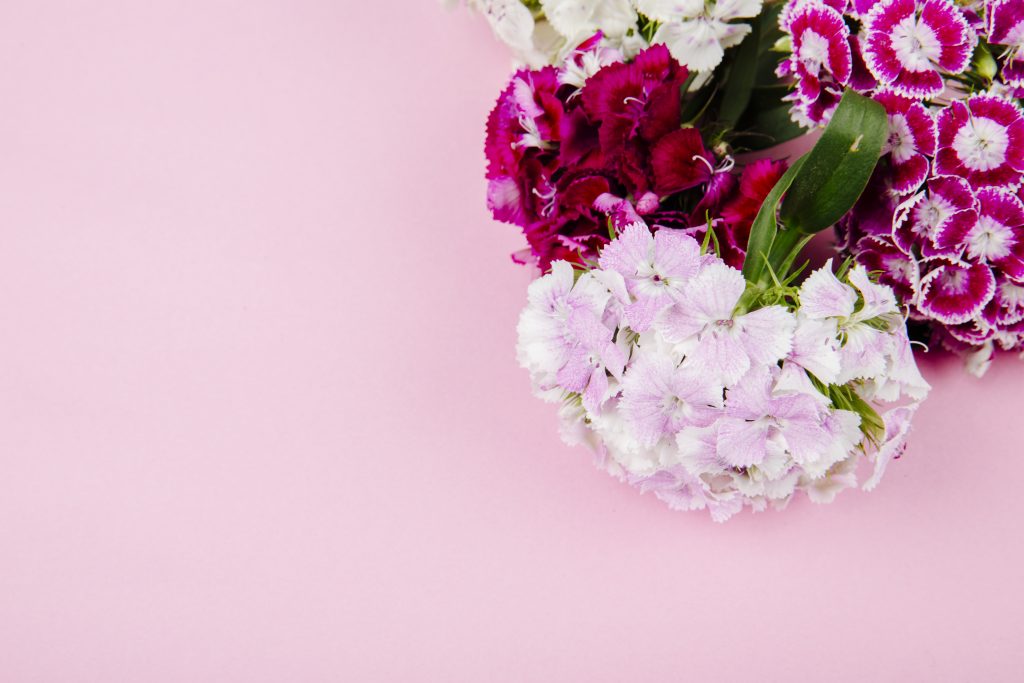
764, 227
738, 87
839, 166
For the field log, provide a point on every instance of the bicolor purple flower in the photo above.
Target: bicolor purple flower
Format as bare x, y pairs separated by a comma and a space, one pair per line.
909, 44
821, 49
1006, 28
982, 141
998, 236
937, 220
1007, 304
912, 138
954, 293
894, 266
705, 325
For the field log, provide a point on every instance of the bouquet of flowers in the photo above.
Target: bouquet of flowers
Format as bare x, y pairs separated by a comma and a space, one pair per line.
644, 147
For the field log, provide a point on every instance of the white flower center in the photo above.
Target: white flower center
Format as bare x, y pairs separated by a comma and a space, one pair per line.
900, 269
1012, 295
813, 50
901, 139
989, 239
932, 212
954, 280
651, 281
916, 45
981, 144
1015, 36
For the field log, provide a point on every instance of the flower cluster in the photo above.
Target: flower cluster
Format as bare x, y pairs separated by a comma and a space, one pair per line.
914, 49
545, 32
687, 387
943, 222
599, 139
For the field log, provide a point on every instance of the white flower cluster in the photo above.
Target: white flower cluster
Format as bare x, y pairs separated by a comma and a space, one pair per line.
682, 391
543, 32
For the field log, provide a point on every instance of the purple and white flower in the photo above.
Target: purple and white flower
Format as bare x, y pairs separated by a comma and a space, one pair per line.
982, 141
909, 44
912, 139
1006, 28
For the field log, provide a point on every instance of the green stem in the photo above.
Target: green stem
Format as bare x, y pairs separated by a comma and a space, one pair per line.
785, 249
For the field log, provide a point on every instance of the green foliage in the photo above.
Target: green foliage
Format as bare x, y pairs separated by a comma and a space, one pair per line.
838, 167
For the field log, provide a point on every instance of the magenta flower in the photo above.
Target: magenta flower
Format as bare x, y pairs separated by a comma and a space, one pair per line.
740, 208
1006, 28
998, 236
982, 141
910, 43
821, 49
1007, 305
938, 219
954, 293
638, 99
894, 266
912, 138
680, 161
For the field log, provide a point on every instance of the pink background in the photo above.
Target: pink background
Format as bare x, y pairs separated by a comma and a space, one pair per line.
260, 418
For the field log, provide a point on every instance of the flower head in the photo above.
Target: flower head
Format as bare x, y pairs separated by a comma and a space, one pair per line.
714, 406
982, 141
699, 32
909, 44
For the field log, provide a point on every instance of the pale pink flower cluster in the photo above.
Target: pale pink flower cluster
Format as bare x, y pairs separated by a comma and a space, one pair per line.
681, 391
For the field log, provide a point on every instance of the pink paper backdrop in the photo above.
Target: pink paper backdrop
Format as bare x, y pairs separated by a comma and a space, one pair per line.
260, 418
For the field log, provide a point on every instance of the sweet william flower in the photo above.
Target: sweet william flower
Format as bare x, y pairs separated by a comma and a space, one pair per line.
912, 139
758, 424
577, 19
982, 141
821, 49
660, 397
547, 338
909, 44
998, 236
705, 324
698, 32
1006, 28
654, 269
